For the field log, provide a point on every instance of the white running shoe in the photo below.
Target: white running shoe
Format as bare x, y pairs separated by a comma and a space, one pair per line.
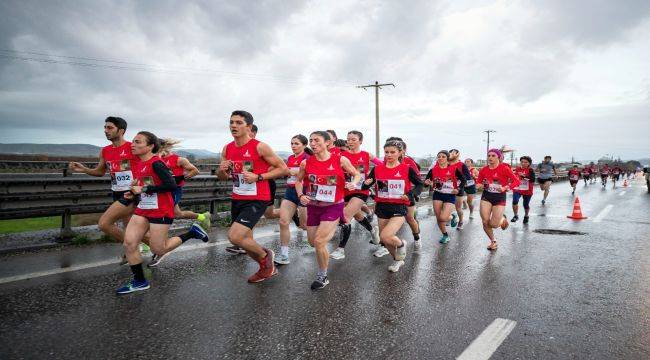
417, 245
338, 254
471, 215
382, 251
375, 235
394, 267
400, 253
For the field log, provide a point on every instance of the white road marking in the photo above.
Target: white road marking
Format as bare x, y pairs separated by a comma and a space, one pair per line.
622, 193
603, 213
490, 339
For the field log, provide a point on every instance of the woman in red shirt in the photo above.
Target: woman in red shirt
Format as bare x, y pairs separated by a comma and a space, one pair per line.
526, 176
496, 179
393, 181
470, 188
320, 185
291, 205
152, 188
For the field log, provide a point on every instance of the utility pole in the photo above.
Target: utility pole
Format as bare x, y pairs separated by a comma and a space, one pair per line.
487, 146
377, 86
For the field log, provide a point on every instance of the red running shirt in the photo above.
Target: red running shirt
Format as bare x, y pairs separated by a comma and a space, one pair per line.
246, 158
324, 181
335, 151
392, 183
119, 161
574, 175
361, 161
526, 186
293, 163
171, 161
155, 205
493, 179
444, 179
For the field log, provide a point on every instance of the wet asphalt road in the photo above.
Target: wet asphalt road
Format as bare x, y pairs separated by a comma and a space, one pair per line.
583, 296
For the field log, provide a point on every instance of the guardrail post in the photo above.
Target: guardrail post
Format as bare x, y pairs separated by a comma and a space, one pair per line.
65, 172
66, 227
213, 207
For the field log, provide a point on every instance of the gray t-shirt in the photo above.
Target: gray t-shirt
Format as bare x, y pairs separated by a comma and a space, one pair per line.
546, 170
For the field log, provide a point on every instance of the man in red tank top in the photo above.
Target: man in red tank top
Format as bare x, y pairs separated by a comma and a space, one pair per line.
117, 159
249, 163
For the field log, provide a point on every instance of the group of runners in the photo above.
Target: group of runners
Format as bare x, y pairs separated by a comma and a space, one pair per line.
590, 172
328, 184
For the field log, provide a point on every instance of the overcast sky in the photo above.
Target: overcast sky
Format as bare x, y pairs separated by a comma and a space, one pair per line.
565, 78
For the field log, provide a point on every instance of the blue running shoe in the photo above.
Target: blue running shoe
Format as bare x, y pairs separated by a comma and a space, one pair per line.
133, 286
454, 220
444, 239
198, 233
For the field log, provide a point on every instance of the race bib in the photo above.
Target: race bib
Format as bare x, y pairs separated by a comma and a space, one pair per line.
241, 187
447, 187
325, 193
148, 202
358, 185
121, 180
392, 189
494, 188
524, 184
291, 180
470, 182
574, 177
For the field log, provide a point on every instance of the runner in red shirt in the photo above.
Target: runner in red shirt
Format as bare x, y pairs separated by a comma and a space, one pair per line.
291, 205
604, 174
182, 169
586, 174
470, 187
331, 147
616, 175
525, 189
355, 199
445, 180
320, 186
496, 179
393, 186
117, 159
152, 190
574, 177
594, 171
247, 162
454, 160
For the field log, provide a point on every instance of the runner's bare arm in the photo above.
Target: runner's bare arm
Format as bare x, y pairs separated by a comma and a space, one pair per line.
99, 170
346, 165
190, 170
225, 166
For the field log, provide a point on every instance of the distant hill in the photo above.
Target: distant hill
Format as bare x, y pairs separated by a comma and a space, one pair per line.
82, 150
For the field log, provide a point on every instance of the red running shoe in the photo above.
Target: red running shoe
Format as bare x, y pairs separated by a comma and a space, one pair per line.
267, 268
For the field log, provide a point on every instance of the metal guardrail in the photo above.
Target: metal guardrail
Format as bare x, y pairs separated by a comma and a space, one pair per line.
37, 196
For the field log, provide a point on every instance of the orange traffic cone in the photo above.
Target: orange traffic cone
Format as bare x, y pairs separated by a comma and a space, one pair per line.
577, 213
625, 183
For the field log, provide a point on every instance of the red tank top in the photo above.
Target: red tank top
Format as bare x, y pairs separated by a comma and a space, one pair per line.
119, 161
392, 183
324, 180
526, 185
171, 160
361, 161
246, 158
444, 179
493, 179
156, 205
293, 163
574, 175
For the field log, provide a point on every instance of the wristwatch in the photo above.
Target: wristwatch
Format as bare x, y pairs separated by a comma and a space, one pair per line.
260, 178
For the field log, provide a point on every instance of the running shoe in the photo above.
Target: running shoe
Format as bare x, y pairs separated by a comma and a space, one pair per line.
282, 260
382, 251
514, 218
198, 233
375, 235
444, 239
144, 248
319, 283
207, 221
156, 260
471, 215
525, 219
133, 286
267, 268
338, 254
235, 250
504, 223
543, 202
460, 226
400, 252
417, 245
454, 220
394, 267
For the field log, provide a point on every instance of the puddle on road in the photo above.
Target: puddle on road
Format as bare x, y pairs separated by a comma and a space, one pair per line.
558, 232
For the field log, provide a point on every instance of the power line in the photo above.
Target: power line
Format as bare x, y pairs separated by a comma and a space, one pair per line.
487, 149
96, 63
377, 86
